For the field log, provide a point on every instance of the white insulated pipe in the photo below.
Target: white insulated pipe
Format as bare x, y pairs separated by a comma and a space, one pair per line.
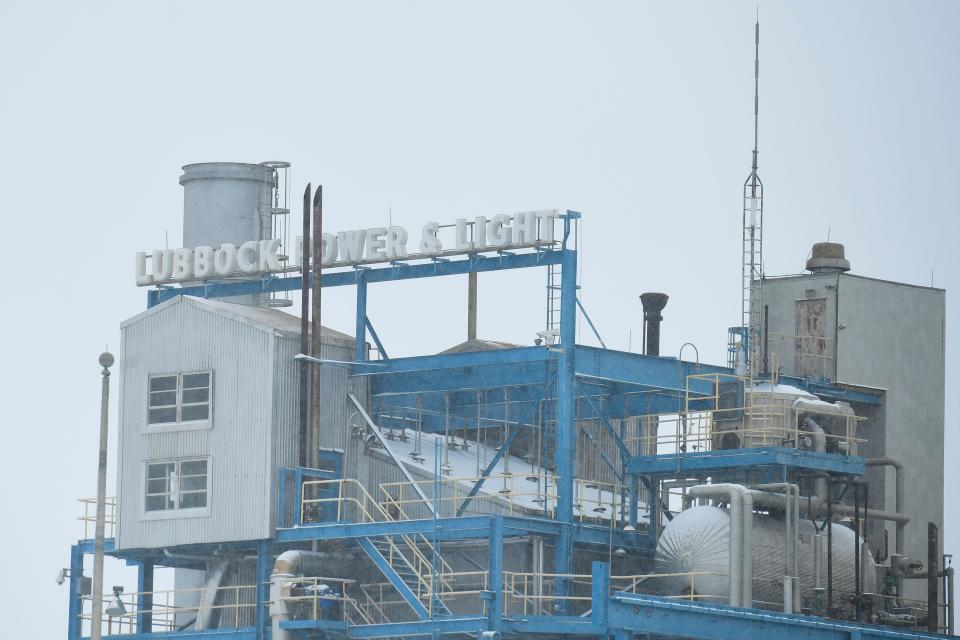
819, 437
791, 590
746, 591
741, 536
216, 569
286, 567
899, 497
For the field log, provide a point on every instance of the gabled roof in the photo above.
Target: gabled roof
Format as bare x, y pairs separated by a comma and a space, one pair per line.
479, 345
257, 316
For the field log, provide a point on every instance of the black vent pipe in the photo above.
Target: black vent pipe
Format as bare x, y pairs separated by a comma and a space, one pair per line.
653, 304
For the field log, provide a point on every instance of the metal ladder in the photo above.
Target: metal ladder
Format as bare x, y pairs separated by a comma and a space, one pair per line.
554, 280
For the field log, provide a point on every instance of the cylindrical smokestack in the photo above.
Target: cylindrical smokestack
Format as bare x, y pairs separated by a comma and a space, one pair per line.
227, 202
653, 304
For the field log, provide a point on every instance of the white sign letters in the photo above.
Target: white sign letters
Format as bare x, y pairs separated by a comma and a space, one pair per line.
346, 248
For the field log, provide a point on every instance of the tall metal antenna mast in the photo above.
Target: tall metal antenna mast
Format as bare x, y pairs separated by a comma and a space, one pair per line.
752, 267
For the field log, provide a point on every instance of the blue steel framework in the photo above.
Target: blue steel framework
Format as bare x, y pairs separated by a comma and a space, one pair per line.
588, 383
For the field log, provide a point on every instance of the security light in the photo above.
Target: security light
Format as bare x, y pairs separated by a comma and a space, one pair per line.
116, 607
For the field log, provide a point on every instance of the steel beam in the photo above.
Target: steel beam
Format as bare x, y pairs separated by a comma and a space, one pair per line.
673, 618
703, 461
473, 263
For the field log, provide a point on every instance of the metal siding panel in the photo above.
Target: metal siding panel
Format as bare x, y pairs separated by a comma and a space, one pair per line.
184, 337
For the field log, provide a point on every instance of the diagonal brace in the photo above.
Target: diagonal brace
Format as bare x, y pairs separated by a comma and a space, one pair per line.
501, 451
621, 447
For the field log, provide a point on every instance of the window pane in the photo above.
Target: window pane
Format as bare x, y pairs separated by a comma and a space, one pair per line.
163, 383
158, 416
163, 398
193, 500
195, 395
193, 468
195, 380
160, 470
158, 486
193, 483
159, 503
195, 412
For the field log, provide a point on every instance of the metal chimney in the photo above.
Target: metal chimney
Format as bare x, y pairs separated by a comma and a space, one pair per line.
653, 304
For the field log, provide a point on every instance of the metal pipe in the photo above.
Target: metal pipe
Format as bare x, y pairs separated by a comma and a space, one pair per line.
472, 305
819, 437
287, 566
818, 507
106, 361
653, 304
302, 441
791, 593
856, 552
734, 494
829, 547
315, 338
933, 564
208, 597
746, 532
899, 503
948, 574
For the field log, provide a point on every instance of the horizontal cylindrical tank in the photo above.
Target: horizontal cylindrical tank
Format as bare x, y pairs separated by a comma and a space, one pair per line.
698, 541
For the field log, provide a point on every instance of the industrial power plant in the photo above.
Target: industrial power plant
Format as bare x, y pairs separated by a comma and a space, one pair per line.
297, 482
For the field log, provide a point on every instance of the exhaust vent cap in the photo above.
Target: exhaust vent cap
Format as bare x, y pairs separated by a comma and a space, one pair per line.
827, 257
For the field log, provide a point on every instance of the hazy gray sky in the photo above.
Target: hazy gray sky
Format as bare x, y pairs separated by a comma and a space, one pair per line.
637, 114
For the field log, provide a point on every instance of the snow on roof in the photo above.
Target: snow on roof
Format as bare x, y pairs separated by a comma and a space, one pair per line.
260, 316
766, 387
479, 345
802, 397
526, 481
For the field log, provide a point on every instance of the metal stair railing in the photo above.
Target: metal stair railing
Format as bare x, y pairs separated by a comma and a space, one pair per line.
369, 510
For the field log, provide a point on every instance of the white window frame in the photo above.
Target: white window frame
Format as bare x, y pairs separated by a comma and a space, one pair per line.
176, 511
179, 423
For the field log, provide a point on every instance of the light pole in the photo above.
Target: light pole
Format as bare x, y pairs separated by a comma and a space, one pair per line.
106, 361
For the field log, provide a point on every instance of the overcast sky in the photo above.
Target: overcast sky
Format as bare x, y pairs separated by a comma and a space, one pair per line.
637, 114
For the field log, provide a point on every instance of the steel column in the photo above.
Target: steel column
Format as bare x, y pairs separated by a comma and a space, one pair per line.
495, 578
566, 416
600, 592
360, 352
144, 597
76, 573
264, 560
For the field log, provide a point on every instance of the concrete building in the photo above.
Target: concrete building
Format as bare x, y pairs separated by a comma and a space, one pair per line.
850, 329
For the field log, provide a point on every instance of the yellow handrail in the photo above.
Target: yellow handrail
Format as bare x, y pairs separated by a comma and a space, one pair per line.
89, 517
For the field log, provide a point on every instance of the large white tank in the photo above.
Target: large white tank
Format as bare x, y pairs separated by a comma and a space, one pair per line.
697, 540
227, 202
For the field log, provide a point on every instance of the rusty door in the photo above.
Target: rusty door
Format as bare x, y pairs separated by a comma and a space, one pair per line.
811, 343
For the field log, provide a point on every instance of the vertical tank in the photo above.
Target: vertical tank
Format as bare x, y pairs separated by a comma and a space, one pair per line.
227, 202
